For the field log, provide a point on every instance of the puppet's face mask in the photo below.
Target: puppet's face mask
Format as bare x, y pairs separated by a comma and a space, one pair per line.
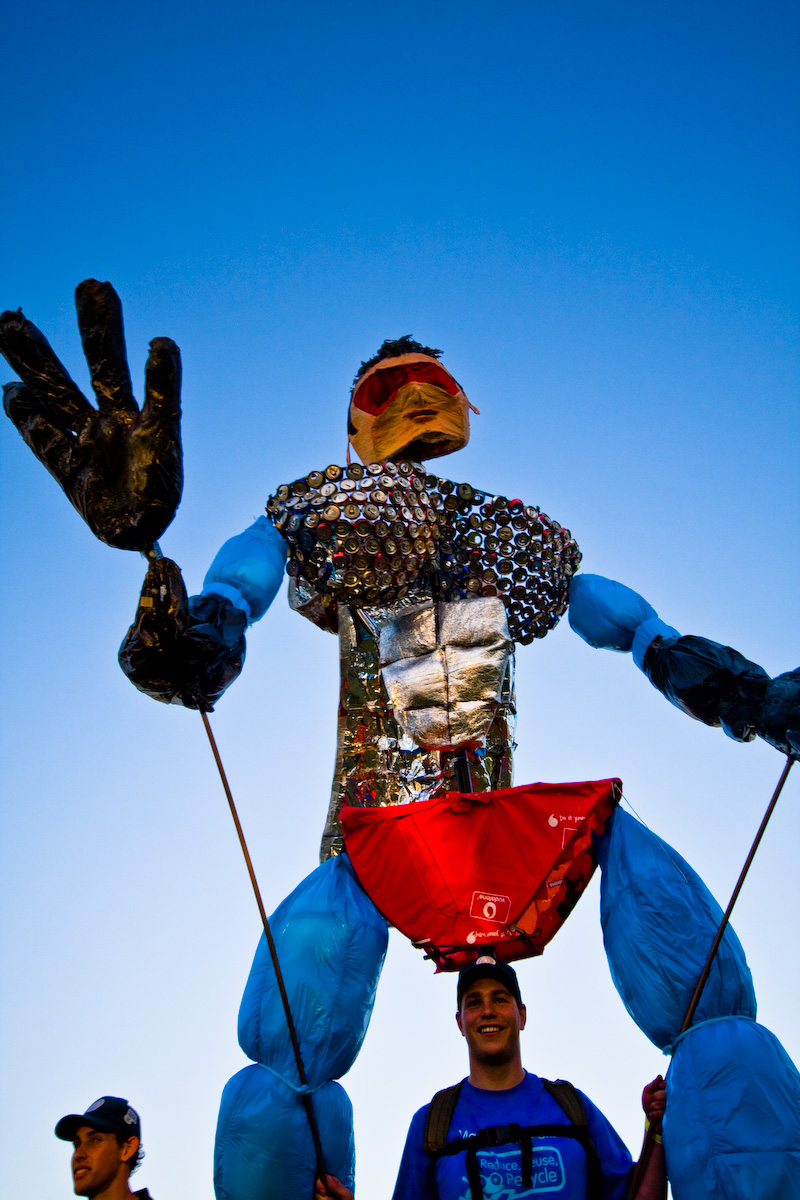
407, 407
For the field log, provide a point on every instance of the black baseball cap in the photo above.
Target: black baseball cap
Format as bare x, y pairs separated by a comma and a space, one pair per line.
109, 1114
487, 967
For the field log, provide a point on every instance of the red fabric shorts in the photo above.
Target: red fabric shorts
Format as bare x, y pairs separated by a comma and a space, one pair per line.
470, 870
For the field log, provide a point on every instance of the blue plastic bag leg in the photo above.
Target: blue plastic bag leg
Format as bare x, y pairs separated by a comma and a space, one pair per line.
659, 921
732, 1125
264, 1149
331, 942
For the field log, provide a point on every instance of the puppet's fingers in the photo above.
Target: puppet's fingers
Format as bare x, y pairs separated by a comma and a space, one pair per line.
103, 338
162, 384
48, 441
29, 353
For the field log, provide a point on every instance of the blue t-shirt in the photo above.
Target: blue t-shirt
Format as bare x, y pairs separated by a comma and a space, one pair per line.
559, 1164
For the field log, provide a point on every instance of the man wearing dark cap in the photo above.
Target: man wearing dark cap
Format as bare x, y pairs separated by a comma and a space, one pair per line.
503, 1133
107, 1142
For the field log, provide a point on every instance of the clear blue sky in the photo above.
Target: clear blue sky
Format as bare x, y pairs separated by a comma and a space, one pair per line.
593, 210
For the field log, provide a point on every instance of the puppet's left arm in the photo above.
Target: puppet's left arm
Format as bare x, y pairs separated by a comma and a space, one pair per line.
713, 683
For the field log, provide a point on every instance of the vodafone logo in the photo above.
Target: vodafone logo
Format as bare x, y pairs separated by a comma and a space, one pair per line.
490, 906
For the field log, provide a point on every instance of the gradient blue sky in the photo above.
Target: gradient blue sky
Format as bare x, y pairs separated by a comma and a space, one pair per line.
593, 209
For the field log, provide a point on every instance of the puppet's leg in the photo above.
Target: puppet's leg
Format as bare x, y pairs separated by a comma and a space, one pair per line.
732, 1124
331, 942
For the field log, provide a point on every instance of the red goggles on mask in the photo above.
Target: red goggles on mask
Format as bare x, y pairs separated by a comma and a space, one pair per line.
376, 392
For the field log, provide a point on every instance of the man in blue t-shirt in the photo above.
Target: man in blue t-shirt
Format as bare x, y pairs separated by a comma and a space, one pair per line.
499, 1092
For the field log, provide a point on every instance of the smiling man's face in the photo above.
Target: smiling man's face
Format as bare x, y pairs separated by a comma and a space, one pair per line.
98, 1160
491, 1021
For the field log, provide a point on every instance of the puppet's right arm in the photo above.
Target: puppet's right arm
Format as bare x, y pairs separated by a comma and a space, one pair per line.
714, 684
188, 650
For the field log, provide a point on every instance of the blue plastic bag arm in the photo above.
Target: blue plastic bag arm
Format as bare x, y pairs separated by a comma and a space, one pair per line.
710, 682
610, 616
248, 569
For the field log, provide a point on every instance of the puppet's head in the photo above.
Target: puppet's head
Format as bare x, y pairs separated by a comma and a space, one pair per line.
404, 404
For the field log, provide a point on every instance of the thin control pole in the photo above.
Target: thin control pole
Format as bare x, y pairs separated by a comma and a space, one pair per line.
701, 983
304, 1096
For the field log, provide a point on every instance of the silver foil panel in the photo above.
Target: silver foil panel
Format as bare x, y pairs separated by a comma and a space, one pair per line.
443, 667
412, 632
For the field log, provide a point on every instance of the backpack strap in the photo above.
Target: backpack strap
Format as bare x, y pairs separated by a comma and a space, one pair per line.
440, 1114
503, 1135
569, 1100
437, 1123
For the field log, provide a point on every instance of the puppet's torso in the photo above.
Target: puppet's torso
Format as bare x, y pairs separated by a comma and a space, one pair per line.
429, 585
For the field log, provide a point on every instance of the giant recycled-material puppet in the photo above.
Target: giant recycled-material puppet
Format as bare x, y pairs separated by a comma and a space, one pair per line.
429, 585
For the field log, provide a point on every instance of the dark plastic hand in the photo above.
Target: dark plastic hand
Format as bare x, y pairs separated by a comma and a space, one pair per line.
121, 467
180, 650
780, 713
720, 686
654, 1103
